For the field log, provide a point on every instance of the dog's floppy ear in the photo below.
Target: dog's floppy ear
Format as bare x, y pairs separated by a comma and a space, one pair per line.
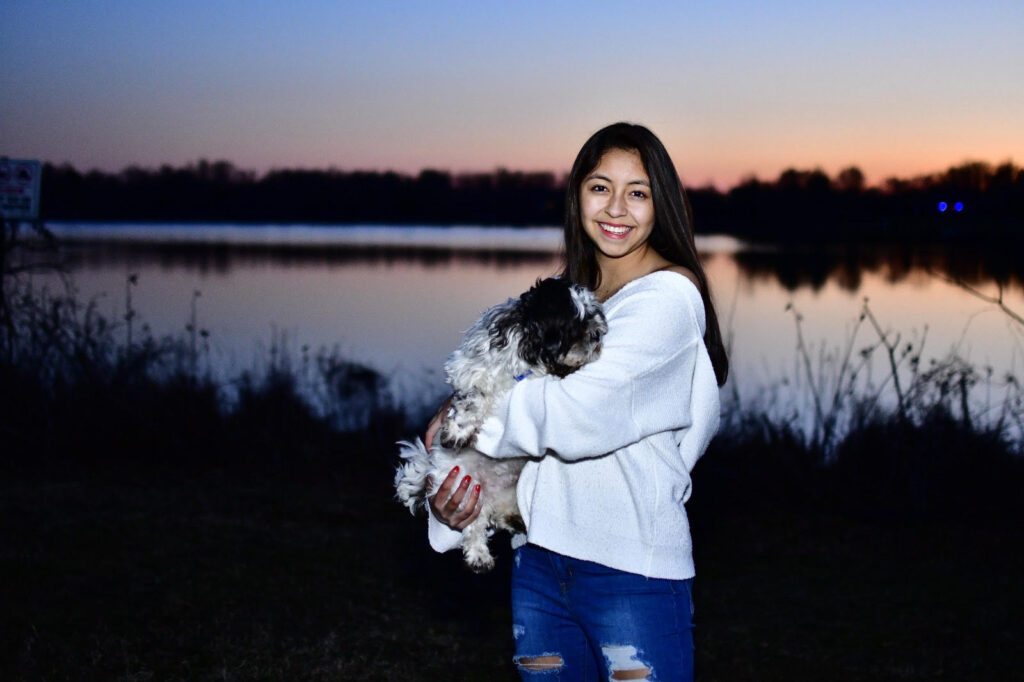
518, 319
531, 344
505, 325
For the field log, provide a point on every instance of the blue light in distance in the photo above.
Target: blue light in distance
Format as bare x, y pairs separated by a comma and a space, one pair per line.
958, 206
943, 206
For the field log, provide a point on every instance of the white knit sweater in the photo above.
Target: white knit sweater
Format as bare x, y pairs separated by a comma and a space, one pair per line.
615, 441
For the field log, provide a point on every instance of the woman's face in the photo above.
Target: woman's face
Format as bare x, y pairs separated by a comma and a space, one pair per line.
616, 205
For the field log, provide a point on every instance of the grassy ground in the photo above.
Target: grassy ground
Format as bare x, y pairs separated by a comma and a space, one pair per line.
789, 596
146, 577
206, 579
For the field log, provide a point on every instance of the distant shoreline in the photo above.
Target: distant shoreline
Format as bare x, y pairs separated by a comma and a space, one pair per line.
971, 203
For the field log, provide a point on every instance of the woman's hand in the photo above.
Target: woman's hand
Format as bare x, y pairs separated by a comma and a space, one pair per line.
446, 504
435, 422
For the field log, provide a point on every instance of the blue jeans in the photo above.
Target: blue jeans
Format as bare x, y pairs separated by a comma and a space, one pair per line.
578, 620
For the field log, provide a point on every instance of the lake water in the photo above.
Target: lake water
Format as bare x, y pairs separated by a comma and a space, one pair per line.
399, 298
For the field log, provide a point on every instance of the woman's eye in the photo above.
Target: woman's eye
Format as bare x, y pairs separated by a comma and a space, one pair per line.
638, 194
597, 188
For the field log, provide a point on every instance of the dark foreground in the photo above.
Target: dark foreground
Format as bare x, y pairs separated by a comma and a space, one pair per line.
161, 577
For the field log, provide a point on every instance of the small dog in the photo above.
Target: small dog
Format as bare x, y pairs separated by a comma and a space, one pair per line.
554, 328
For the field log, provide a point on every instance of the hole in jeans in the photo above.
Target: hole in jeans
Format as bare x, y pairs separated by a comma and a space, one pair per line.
624, 663
540, 663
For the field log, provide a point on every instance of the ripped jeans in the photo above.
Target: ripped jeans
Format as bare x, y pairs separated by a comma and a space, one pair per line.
578, 620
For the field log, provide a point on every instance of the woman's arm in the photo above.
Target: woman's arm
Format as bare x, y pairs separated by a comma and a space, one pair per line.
435, 422
640, 385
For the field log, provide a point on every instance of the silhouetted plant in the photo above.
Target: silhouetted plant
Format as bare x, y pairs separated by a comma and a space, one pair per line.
80, 388
939, 466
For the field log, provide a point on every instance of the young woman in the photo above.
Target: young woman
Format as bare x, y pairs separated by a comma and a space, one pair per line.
601, 582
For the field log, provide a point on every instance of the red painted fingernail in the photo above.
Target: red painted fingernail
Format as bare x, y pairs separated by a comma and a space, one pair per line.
455, 470
466, 479
477, 487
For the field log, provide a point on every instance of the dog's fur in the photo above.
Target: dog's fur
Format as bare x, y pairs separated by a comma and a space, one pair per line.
554, 328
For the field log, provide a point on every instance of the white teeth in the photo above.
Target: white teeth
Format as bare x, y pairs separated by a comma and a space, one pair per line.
614, 229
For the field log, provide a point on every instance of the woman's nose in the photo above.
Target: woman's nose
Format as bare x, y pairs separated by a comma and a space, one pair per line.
616, 205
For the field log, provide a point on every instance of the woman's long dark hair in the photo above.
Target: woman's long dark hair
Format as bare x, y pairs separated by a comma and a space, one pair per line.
672, 236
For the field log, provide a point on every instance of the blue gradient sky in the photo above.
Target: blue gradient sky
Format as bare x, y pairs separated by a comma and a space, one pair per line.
733, 88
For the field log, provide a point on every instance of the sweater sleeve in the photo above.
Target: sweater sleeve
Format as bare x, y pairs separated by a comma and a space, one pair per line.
640, 384
441, 537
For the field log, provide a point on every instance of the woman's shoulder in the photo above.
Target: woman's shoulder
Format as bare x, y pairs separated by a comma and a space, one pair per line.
670, 279
684, 271
667, 296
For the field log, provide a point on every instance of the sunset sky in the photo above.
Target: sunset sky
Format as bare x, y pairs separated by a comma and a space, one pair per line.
732, 88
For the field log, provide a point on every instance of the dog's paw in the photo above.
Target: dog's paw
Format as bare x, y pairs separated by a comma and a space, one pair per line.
479, 560
458, 443
474, 546
455, 437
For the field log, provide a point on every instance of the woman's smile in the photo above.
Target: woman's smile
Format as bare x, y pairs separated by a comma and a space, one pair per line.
614, 230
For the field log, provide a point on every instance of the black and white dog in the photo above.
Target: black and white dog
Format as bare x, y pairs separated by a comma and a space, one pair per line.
554, 328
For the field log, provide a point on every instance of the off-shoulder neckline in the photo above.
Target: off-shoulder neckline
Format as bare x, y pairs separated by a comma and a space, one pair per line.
663, 271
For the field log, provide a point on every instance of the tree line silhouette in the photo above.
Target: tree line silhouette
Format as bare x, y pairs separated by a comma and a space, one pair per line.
974, 201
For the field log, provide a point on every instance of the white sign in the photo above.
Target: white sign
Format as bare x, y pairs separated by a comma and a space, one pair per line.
19, 189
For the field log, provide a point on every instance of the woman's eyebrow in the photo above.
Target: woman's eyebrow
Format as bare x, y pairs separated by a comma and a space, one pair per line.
598, 176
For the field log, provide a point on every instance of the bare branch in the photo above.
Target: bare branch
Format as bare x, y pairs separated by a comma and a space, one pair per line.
995, 300
890, 348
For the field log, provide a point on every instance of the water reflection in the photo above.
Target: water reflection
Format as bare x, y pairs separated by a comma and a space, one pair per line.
792, 269
796, 269
222, 258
